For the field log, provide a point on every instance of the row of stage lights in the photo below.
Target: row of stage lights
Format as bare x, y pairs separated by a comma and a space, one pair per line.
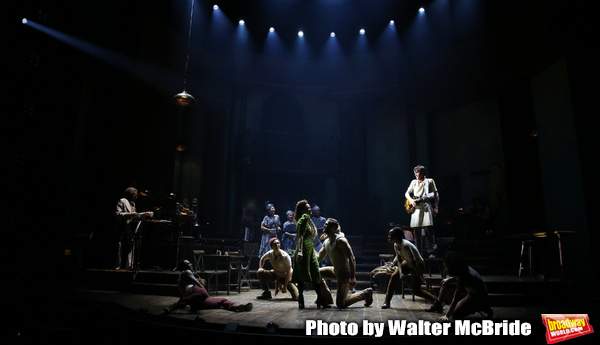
241, 22
185, 99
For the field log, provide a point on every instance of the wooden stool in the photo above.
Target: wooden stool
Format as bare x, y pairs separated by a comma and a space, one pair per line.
406, 279
244, 271
186, 243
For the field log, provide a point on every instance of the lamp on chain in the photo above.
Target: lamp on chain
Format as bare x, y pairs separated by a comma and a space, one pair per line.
183, 98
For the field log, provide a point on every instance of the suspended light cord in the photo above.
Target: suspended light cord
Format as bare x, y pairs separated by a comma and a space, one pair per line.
187, 58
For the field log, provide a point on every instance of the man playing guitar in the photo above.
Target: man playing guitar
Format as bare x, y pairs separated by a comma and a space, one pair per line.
422, 200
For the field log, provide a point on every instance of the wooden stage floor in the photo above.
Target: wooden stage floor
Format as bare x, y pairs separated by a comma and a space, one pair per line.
82, 315
524, 299
283, 311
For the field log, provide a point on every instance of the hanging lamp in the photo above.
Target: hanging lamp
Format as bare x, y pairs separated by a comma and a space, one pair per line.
183, 98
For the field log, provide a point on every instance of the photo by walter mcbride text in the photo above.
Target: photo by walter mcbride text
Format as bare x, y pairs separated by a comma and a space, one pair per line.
418, 328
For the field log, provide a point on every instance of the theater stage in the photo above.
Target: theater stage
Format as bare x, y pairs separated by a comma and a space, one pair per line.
84, 315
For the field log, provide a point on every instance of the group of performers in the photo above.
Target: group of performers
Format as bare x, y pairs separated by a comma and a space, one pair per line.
293, 270
271, 228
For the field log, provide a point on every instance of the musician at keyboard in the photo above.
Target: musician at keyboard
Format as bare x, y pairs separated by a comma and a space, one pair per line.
127, 221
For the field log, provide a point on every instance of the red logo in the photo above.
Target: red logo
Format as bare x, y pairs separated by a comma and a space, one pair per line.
560, 327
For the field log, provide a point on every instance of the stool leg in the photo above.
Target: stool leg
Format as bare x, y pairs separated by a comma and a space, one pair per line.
521, 261
216, 284
402, 286
530, 257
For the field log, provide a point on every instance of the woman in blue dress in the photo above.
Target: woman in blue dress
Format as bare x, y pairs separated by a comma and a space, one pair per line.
288, 240
270, 226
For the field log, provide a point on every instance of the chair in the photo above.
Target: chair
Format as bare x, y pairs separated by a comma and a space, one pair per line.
210, 274
198, 260
429, 263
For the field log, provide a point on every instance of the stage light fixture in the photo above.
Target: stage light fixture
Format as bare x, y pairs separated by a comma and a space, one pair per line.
183, 98
271, 29
332, 34
362, 31
215, 7
300, 34
272, 328
392, 22
24, 21
242, 22
421, 10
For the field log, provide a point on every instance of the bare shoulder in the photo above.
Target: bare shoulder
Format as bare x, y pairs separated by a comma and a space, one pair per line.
343, 241
187, 274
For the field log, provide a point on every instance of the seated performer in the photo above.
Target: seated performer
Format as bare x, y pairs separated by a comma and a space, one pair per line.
338, 249
470, 293
281, 273
409, 261
195, 295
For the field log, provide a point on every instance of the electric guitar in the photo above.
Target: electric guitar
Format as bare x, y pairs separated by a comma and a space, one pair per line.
409, 207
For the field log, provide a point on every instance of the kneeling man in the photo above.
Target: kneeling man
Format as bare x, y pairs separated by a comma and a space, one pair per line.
281, 273
340, 253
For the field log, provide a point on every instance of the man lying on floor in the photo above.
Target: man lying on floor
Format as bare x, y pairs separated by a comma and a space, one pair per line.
195, 295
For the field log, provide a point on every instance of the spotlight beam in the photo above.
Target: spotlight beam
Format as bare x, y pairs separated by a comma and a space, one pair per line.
120, 61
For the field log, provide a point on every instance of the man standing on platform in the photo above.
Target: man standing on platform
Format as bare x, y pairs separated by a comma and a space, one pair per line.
281, 273
126, 217
340, 253
424, 198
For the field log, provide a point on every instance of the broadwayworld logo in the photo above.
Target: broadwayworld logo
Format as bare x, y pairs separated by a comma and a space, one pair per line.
560, 327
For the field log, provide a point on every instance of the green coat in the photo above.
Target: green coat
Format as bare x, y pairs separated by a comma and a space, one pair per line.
307, 270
